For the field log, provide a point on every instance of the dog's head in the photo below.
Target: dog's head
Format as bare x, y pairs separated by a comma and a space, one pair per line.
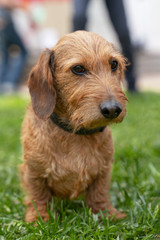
80, 79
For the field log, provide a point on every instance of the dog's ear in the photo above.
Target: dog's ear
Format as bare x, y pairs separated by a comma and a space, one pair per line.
40, 83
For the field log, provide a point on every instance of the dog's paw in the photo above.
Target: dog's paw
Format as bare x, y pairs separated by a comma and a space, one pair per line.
115, 214
32, 214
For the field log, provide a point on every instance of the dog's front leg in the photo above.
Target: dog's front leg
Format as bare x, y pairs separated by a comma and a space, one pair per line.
39, 195
98, 198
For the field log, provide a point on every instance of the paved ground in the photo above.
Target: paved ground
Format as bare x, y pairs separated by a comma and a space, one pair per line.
148, 72
149, 83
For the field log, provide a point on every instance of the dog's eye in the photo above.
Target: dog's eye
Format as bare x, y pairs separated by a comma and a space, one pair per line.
114, 65
79, 70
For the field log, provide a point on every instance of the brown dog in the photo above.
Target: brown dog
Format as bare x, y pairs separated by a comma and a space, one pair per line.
76, 94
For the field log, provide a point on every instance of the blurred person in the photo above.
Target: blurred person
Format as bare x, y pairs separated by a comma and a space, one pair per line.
10, 68
118, 17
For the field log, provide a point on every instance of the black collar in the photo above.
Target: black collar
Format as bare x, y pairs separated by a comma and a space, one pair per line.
65, 126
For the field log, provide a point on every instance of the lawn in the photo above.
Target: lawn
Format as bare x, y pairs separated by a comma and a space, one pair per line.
135, 187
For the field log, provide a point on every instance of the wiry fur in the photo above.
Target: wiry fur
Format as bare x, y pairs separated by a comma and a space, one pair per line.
59, 163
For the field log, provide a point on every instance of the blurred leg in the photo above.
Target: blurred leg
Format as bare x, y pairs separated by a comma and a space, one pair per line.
10, 67
16, 63
4, 19
80, 14
4, 60
118, 18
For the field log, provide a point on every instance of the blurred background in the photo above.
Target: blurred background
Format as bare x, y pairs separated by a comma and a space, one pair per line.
28, 26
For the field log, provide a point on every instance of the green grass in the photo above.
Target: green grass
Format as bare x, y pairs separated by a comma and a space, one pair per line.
135, 187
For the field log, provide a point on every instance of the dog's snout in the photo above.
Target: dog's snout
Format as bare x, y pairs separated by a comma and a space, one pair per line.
110, 109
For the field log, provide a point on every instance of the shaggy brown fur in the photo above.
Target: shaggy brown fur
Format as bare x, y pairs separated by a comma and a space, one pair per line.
57, 162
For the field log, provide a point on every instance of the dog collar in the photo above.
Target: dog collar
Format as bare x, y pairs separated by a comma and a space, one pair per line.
65, 126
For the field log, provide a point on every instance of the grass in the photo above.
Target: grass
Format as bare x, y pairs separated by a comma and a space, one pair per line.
135, 187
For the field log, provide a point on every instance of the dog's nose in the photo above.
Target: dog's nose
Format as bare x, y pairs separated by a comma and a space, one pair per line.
110, 109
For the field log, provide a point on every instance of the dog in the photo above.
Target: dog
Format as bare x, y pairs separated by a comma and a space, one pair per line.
76, 93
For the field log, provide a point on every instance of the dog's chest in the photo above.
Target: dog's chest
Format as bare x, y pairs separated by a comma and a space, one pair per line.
73, 171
